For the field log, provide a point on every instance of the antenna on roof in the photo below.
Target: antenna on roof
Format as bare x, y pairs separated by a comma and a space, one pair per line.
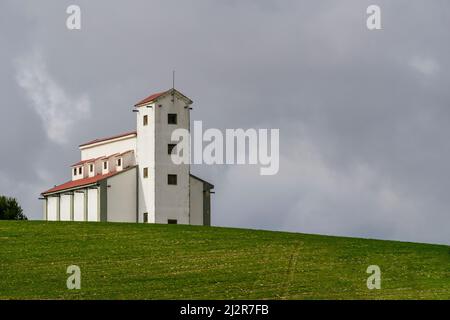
173, 79
173, 86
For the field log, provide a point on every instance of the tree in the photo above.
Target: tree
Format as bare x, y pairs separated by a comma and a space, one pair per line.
10, 209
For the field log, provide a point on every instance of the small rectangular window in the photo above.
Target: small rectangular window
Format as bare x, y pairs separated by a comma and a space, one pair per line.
145, 216
172, 179
170, 147
91, 168
145, 172
74, 171
172, 118
172, 221
119, 162
105, 165
80, 170
145, 120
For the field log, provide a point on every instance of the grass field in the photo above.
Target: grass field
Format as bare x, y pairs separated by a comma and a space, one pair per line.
137, 261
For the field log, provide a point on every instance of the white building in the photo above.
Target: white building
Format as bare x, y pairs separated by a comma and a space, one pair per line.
131, 177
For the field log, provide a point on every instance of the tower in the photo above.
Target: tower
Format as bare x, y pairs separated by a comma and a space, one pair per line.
163, 187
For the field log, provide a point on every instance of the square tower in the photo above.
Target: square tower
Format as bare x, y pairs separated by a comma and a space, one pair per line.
164, 187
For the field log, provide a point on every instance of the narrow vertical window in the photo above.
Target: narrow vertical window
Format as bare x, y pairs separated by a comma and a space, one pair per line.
74, 171
119, 162
145, 172
91, 168
145, 217
105, 165
145, 120
80, 170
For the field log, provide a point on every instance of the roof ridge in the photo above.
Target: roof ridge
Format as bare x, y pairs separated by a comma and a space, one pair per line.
109, 138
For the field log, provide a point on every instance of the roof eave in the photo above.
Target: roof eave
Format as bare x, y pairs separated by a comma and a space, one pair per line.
107, 140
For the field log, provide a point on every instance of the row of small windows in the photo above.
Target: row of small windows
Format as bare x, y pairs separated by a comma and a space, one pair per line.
79, 170
171, 119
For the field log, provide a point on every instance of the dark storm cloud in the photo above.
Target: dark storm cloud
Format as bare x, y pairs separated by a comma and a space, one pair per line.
363, 115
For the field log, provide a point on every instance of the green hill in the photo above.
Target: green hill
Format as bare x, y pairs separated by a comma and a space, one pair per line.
137, 261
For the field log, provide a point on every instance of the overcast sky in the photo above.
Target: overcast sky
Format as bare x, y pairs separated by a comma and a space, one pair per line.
363, 115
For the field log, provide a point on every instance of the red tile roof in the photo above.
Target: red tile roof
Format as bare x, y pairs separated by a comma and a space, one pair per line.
108, 138
79, 163
125, 152
81, 182
150, 98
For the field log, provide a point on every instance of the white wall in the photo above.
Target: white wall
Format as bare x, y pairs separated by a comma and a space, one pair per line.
78, 206
121, 198
145, 157
52, 208
93, 205
65, 207
196, 201
108, 148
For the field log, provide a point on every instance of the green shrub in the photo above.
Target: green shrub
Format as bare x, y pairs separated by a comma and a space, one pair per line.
10, 209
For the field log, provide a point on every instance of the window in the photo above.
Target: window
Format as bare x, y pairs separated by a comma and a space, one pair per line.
172, 221
91, 168
119, 162
145, 216
105, 165
145, 172
145, 120
172, 179
74, 171
80, 170
172, 118
170, 148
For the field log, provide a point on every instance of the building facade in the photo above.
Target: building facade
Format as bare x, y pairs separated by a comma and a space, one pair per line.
131, 177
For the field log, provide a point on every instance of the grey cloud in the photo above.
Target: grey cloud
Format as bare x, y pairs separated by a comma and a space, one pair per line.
363, 115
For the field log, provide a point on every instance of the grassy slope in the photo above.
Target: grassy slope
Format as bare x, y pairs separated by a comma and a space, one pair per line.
137, 261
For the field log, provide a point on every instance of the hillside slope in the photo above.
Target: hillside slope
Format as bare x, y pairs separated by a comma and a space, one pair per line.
137, 261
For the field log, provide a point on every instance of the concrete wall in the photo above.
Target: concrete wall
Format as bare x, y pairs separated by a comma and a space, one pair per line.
78, 206
196, 205
121, 197
171, 201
